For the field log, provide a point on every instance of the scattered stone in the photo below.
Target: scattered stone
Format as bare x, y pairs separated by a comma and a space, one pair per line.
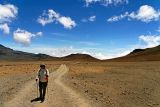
86, 91
150, 105
100, 93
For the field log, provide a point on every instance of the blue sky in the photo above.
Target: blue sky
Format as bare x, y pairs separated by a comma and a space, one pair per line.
101, 28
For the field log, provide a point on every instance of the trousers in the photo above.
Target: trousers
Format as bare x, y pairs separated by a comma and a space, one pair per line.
42, 89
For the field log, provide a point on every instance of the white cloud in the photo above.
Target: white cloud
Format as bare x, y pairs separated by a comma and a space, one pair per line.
150, 40
24, 37
7, 12
44, 21
52, 16
145, 13
117, 18
5, 28
39, 33
47, 18
64, 51
92, 18
106, 2
145, 41
58, 52
67, 22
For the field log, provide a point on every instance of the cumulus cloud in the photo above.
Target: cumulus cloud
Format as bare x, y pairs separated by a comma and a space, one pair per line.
7, 12
24, 37
106, 2
67, 22
145, 13
150, 40
47, 18
5, 28
44, 21
53, 16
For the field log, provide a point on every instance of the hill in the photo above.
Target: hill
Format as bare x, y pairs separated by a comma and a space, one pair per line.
148, 54
79, 57
9, 54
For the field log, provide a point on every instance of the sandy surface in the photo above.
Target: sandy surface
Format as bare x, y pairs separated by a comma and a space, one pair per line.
13, 76
82, 84
117, 84
59, 95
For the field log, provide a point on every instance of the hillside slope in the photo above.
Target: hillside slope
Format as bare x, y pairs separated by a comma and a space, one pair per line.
148, 54
9, 54
79, 57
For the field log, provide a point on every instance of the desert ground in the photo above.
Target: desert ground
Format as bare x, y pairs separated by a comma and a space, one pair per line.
82, 84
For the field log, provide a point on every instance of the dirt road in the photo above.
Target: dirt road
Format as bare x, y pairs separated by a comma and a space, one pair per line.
58, 95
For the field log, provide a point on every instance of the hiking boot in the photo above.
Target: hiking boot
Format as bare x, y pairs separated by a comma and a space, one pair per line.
42, 100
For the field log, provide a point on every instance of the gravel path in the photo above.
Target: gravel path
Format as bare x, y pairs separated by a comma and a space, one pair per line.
58, 95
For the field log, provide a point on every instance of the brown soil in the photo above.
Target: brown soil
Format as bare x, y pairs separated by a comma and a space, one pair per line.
103, 84
117, 84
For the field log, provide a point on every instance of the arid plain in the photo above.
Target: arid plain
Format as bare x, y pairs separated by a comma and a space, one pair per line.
103, 84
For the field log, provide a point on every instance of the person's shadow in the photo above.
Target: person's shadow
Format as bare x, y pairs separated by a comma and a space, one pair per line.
36, 99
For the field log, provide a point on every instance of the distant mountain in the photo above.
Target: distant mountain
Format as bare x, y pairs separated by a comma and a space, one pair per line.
8, 54
79, 57
148, 54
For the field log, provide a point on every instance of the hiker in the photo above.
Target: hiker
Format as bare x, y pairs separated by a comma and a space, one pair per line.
42, 77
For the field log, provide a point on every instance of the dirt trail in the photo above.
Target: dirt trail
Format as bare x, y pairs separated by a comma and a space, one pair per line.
58, 95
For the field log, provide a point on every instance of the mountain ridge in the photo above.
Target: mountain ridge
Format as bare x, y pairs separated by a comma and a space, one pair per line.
10, 54
148, 54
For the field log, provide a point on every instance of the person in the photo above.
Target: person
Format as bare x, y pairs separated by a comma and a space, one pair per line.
42, 77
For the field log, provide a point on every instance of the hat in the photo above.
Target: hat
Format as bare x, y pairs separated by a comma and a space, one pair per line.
42, 66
